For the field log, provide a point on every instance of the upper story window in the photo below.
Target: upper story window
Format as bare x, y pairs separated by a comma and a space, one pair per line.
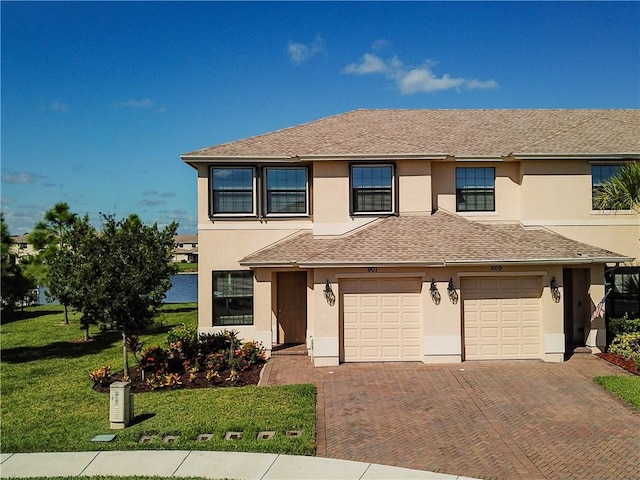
475, 189
233, 191
372, 189
259, 191
287, 191
599, 174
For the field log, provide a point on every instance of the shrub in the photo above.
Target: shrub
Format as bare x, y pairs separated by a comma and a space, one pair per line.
218, 342
187, 335
154, 359
216, 362
253, 352
102, 376
627, 345
618, 326
162, 380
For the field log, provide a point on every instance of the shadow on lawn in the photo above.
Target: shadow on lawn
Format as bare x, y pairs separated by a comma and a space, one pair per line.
98, 343
8, 317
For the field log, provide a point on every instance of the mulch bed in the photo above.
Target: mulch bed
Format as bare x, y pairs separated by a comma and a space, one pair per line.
629, 365
251, 376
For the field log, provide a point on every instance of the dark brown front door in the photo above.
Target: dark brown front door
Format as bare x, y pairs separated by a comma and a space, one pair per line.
292, 307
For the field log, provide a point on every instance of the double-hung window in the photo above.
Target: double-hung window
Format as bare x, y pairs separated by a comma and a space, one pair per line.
286, 191
475, 189
233, 191
599, 174
372, 189
233, 297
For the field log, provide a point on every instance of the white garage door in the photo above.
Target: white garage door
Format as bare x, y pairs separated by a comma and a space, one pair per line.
502, 318
381, 320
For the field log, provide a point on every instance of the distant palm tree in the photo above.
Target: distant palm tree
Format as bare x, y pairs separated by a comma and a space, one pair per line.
622, 191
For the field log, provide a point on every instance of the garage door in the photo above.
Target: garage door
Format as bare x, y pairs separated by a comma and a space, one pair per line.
381, 320
502, 318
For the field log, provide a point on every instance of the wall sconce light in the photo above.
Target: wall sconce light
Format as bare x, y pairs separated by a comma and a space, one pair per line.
555, 290
328, 294
435, 294
451, 289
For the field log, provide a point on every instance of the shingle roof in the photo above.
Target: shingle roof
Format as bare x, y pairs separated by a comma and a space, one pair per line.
458, 133
438, 239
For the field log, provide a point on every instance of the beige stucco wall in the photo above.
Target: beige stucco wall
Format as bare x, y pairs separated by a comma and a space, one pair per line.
525, 192
442, 322
414, 186
507, 184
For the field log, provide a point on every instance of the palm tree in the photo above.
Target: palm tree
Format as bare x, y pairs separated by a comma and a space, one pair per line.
622, 191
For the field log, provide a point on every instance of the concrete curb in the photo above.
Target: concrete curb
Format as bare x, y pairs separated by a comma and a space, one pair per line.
206, 464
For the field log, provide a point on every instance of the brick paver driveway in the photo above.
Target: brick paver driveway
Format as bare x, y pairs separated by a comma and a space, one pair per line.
505, 420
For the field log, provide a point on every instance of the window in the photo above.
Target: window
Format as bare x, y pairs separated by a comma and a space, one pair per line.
233, 191
233, 298
599, 174
475, 189
372, 189
286, 191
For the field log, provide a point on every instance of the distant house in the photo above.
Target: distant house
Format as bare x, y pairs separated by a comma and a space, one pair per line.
420, 235
21, 247
186, 250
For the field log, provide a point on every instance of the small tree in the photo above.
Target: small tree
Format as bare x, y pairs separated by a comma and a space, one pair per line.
122, 274
49, 267
622, 191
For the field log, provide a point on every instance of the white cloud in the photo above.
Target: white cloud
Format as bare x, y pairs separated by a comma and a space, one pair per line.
481, 84
56, 106
20, 178
138, 103
423, 80
380, 44
410, 81
370, 64
300, 53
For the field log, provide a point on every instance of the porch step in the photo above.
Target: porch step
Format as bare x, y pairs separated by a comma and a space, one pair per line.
581, 350
289, 349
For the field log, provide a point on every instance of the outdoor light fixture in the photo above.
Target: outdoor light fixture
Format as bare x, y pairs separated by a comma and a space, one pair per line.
555, 290
451, 289
328, 294
435, 294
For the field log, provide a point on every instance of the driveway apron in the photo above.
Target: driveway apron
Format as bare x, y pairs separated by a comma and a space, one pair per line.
502, 420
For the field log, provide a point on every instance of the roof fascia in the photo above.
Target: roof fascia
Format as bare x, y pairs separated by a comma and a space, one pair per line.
539, 261
573, 156
238, 159
373, 156
444, 263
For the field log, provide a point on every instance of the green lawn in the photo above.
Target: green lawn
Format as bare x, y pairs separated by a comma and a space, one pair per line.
187, 267
48, 403
627, 388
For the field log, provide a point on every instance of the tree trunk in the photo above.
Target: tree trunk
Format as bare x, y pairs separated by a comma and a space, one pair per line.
66, 314
125, 357
85, 332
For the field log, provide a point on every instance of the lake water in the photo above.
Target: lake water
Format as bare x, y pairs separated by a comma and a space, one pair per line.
184, 288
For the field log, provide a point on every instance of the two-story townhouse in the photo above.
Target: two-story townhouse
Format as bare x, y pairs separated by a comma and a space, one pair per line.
186, 249
418, 235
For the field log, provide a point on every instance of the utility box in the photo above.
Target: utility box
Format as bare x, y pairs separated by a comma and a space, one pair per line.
120, 405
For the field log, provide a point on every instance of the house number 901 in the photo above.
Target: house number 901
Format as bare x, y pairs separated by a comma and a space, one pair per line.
496, 268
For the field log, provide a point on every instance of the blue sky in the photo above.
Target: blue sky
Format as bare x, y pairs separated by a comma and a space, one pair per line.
100, 99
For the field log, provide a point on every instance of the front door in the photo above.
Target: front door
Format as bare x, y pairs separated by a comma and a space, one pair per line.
292, 307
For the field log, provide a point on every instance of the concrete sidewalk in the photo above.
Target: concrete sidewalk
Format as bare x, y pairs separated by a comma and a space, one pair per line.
206, 464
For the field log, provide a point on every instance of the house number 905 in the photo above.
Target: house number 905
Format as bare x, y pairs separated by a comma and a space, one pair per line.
496, 268
372, 269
